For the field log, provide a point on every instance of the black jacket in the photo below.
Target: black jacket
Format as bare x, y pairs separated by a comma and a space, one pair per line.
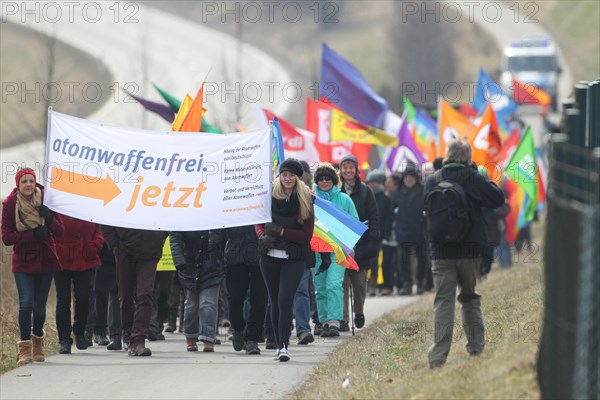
366, 207
196, 260
481, 192
138, 243
385, 208
236, 246
409, 215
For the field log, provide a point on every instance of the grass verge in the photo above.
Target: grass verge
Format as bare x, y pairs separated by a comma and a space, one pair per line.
388, 360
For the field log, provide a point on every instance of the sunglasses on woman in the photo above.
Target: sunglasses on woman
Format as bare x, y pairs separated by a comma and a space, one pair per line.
324, 179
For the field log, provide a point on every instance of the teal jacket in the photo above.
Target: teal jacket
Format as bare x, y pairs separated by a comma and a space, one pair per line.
342, 200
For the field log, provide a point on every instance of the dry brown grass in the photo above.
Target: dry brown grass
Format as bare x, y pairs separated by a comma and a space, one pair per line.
388, 360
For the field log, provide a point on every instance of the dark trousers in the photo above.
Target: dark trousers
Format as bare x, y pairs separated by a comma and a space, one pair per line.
282, 278
81, 281
160, 309
405, 252
135, 279
247, 281
108, 313
33, 294
389, 266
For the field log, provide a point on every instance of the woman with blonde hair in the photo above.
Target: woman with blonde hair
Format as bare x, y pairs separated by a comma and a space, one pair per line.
29, 226
284, 246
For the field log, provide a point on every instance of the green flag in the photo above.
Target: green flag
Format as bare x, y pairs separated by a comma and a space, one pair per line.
173, 102
522, 168
409, 110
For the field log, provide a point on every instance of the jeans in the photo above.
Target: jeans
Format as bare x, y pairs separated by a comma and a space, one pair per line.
33, 294
81, 281
200, 317
246, 281
282, 278
302, 304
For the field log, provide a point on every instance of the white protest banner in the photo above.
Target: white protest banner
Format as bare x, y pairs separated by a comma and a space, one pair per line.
154, 180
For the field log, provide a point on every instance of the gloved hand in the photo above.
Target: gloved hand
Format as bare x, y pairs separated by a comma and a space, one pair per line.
325, 263
268, 242
40, 232
45, 213
272, 229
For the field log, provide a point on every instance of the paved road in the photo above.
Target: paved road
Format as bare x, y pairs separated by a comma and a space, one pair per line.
173, 373
147, 45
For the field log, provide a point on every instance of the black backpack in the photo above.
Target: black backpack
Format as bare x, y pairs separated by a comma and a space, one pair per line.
447, 211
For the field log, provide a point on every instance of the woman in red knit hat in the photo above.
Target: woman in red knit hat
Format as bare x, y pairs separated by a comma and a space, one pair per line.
30, 227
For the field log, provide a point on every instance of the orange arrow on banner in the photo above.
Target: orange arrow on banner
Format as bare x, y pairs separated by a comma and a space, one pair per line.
83, 185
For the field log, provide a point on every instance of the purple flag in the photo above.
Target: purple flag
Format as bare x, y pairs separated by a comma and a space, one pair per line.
344, 86
406, 151
164, 111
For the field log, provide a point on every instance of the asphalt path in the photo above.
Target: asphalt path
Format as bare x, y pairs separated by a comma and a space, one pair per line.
174, 373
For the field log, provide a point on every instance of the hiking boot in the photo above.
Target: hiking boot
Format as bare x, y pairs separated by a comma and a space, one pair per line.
238, 340
252, 347
318, 329
305, 338
344, 327
65, 347
333, 331
325, 331
359, 320
88, 338
283, 355
101, 340
139, 350
81, 342
209, 347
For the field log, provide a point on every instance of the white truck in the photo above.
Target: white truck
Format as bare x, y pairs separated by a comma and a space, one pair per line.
533, 61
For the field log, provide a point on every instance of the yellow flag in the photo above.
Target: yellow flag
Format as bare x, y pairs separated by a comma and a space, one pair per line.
346, 129
186, 104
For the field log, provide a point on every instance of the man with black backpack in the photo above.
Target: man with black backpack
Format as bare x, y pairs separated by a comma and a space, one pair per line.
455, 228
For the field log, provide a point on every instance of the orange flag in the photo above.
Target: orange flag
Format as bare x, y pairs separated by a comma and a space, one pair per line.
193, 120
451, 125
527, 93
486, 144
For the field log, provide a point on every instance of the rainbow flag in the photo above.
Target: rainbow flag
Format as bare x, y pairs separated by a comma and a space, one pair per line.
336, 231
277, 155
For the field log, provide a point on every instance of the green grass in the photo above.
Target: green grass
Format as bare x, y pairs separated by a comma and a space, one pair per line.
389, 358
